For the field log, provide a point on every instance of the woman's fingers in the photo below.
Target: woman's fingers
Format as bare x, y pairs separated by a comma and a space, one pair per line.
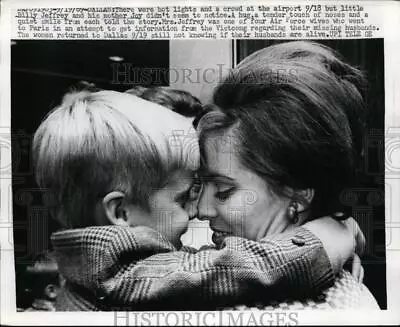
357, 270
361, 278
353, 227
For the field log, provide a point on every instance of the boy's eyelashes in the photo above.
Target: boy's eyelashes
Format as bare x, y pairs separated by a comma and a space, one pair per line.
190, 194
182, 198
196, 187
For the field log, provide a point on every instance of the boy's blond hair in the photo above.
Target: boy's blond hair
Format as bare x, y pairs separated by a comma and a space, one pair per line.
94, 143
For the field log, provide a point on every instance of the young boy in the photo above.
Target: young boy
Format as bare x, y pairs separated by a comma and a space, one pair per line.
120, 169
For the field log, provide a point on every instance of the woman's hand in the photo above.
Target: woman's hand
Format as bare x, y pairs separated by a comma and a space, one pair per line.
357, 269
359, 238
341, 240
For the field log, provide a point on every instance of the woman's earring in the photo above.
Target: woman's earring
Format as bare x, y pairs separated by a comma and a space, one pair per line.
340, 215
293, 212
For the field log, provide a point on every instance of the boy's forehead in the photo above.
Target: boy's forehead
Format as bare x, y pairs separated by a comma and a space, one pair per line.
161, 124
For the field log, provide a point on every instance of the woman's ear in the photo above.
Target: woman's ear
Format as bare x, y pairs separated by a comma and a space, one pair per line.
114, 210
306, 196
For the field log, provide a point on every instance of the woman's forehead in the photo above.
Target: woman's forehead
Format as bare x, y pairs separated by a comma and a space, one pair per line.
223, 140
190, 150
221, 155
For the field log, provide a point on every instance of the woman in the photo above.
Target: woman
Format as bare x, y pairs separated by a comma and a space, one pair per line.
281, 142
184, 103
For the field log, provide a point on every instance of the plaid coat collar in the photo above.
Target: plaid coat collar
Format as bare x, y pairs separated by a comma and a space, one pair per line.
104, 251
120, 268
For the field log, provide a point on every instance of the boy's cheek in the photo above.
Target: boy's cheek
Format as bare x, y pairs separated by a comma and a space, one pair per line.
181, 225
173, 225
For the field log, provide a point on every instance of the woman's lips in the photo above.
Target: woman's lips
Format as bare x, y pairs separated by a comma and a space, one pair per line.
218, 236
215, 229
218, 232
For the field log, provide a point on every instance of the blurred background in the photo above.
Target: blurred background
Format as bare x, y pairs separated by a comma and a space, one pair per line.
42, 71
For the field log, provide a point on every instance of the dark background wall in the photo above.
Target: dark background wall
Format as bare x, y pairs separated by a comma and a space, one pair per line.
367, 199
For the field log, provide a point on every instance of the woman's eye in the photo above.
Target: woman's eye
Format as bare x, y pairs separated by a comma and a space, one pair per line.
224, 195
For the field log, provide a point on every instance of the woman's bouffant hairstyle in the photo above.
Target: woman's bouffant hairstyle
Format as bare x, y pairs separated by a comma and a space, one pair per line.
180, 101
296, 110
136, 90
97, 142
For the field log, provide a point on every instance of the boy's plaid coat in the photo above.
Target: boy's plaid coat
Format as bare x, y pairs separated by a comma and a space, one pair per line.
120, 268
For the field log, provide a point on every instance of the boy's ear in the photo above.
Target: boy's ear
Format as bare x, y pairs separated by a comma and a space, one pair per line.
114, 210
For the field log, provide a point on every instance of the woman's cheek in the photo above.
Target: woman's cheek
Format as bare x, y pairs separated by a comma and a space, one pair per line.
234, 215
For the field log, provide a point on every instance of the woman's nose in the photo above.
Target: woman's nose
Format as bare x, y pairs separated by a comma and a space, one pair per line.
191, 208
206, 207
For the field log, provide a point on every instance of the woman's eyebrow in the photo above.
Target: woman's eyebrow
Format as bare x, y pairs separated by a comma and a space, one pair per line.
216, 176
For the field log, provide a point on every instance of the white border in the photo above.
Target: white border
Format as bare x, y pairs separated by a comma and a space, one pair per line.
391, 28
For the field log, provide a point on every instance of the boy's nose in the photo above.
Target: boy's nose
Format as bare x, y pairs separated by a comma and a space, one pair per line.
206, 207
